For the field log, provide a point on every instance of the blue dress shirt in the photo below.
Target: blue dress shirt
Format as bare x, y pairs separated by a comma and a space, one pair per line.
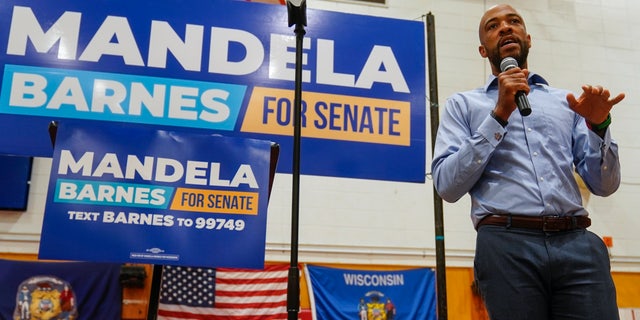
527, 167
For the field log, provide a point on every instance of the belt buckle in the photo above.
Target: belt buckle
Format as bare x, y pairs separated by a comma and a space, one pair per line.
550, 224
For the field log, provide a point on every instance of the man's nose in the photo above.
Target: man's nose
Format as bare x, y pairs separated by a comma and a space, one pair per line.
505, 27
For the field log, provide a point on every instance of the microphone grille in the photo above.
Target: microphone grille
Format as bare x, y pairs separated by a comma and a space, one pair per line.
508, 63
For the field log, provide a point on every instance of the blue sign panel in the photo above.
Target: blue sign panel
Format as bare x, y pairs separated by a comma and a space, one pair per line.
15, 174
124, 193
219, 66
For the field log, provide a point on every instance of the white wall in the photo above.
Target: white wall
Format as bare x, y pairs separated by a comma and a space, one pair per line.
359, 221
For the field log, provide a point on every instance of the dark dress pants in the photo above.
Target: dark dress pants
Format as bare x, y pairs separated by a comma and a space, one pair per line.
534, 275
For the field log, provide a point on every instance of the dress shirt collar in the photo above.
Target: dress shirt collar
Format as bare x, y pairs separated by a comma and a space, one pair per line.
534, 78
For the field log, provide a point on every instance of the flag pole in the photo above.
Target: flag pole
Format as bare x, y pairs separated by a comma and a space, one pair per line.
154, 295
297, 16
441, 269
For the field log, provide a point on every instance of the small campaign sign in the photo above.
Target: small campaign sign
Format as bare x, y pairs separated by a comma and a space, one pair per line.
125, 193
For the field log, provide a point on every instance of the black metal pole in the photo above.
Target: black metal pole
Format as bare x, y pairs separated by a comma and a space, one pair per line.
297, 17
441, 273
154, 297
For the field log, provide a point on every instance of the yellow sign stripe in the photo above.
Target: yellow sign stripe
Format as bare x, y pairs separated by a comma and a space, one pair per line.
330, 116
215, 201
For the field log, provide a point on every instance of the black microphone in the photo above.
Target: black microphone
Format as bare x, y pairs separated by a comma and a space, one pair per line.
521, 98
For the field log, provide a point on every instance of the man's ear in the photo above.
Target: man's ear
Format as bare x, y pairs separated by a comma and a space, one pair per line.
483, 51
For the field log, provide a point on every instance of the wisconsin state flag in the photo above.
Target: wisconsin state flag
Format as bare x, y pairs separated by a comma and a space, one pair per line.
60, 290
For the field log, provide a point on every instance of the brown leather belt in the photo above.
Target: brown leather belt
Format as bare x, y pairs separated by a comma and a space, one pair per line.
544, 223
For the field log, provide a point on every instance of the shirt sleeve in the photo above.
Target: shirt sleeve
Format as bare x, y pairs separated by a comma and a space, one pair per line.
461, 151
598, 162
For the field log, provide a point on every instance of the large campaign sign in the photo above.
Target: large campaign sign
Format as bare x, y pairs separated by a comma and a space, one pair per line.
123, 193
219, 66
338, 293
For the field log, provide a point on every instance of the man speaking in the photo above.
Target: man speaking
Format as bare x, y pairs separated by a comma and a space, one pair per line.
534, 260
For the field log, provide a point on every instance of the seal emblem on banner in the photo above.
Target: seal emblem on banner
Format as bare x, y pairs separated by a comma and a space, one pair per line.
45, 298
376, 308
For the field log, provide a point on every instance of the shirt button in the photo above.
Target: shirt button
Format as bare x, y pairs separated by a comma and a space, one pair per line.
535, 154
529, 129
478, 161
541, 178
605, 168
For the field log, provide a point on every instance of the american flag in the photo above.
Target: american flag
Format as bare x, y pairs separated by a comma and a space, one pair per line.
224, 294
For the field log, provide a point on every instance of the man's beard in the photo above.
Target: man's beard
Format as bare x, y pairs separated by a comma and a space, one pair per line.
496, 59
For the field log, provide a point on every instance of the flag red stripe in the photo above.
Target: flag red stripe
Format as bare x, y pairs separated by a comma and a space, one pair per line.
250, 281
250, 305
183, 314
251, 293
195, 316
268, 267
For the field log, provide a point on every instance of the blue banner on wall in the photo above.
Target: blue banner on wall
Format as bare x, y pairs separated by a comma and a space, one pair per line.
124, 193
219, 66
60, 290
369, 294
